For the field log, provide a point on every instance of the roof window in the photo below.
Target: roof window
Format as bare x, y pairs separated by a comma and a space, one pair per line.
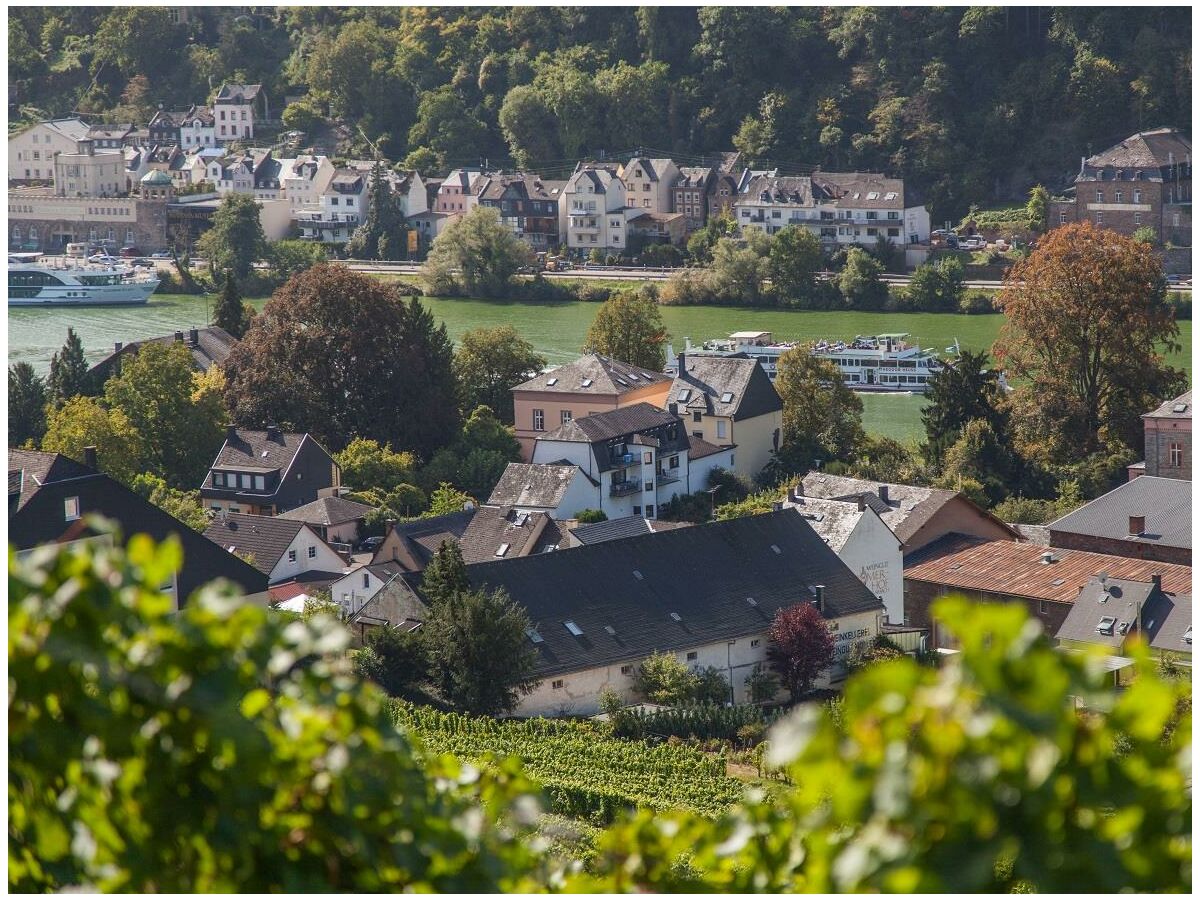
573, 628
532, 634
685, 395
1107, 624
620, 382
637, 574
587, 382
775, 548
727, 397
608, 629
263, 454
502, 549
1058, 582
874, 195
752, 601
1187, 635
890, 195
633, 376
676, 617
1179, 407
552, 382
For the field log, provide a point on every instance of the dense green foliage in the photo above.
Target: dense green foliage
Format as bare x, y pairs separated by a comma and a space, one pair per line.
68, 371
629, 327
231, 312
489, 363
235, 242
26, 405
702, 721
968, 102
476, 256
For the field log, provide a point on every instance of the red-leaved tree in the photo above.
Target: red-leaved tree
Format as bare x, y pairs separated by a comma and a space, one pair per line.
801, 646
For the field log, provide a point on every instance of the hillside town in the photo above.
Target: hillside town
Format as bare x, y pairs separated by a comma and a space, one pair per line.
391, 606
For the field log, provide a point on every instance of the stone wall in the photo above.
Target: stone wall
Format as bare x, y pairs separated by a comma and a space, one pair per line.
919, 596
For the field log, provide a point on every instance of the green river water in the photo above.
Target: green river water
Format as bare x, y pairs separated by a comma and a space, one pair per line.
556, 330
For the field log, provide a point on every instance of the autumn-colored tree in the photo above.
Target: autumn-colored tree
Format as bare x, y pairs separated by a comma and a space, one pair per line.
629, 327
1088, 323
801, 646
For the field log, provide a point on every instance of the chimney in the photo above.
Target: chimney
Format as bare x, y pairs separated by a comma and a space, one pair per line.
388, 525
776, 506
231, 432
273, 432
673, 408
862, 503
117, 347
682, 362
1137, 525
1156, 579
89, 458
883, 493
179, 336
1048, 557
819, 597
194, 337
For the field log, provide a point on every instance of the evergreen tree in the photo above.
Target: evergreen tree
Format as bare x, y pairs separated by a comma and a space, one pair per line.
958, 394
68, 371
230, 312
445, 575
26, 405
382, 233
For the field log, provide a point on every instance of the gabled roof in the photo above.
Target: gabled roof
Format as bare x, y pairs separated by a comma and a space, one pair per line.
616, 529
604, 376
530, 485
1117, 598
1166, 504
833, 520
530, 187
1179, 408
694, 177
698, 448
655, 169
501, 532
733, 386
793, 190
110, 132
1016, 569
621, 594
1169, 623
423, 537
328, 511
265, 537
238, 93
1148, 151
260, 450
28, 470
71, 128
859, 189
612, 423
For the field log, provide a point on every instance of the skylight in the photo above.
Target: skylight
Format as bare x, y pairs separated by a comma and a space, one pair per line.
620, 382
676, 617
264, 454
532, 634
502, 549
552, 382
1179, 407
685, 395
610, 630
587, 382
573, 628
775, 547
633, 376
727, 397
874, 195
752, 601
637, 574
890, 195
1107, 623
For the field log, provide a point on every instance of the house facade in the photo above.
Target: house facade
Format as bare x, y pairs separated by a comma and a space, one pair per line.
1145, 181
593, 210
689, 196
268, 472
281, 549
1168, 436
38, 220
236, 108
31, 152
593, 383
528, 206
648, 183
88, 172
456, 194
343, 206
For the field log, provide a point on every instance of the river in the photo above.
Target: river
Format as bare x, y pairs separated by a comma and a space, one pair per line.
555, 329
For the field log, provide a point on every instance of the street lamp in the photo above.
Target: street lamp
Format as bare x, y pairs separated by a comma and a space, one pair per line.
712, 493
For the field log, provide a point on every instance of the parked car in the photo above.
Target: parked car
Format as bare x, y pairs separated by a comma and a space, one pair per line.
130, 252
142, 262
99, 258
972, 243
1179, 279
160, 254
371, 543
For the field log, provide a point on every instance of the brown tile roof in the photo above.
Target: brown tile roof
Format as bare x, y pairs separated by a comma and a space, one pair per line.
1170, 409
1144, 150
1008, 567
698, 448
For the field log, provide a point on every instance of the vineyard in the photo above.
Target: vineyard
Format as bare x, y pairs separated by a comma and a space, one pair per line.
583, 772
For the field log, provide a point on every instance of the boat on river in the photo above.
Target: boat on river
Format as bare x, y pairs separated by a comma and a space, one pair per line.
103, 284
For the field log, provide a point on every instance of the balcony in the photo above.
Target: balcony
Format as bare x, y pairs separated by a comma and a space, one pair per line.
584, 223
668, 476
624, 488
322, 220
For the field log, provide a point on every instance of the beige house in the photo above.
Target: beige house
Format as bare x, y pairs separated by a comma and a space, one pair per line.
648, 183
31, 152
592, 212
85, 171
591, 384
730, 402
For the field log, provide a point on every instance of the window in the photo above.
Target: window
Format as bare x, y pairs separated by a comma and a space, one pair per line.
894, 232
71, 509
291, 556
893, 215
1062, 218
691, 655
649, 510
1175, 452
565, 416
648, 457
721, 428
557, 684
1120, 196
697, 417
872, 215
260, 483
246, 482
754, 642
626, 670
1100, 218
218, 479
539, 420
698, 434
674, 462
128, 235
312, 552
366, 579
1099, 196
1043, 607
1137, 195
1137, 218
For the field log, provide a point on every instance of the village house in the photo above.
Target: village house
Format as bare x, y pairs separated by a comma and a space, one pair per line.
863, 541
1045, 580
592, 383
528, 206
729, 401
1147, 518
378, 596
112, 137
456, 193
560, 490
650, 227
49, 496
648, 183
337, 520
689, 196
917, 515
281, 549
39, 220
210, 346
85, 171
1168, 438
706, 594
412, 544
236, 109
505, 532
31, 151
343, 206
306, 180
268, 472
636, 458
1145, 181
592, 213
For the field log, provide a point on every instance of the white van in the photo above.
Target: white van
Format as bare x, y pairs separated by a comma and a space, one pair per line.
77, 250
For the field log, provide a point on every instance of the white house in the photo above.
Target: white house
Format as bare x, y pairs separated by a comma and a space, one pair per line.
236, 109
561, 490
31, 152
706, 594
358, 586
281, 549
592, 211
859, 537
648, 183
306, 180
197, 128
342, 208
85, 171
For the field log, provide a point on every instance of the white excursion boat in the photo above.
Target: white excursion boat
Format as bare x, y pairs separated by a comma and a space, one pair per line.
105, 284
883, 362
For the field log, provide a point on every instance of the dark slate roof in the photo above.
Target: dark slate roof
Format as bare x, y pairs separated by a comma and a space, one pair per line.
259, 450
1168, 623
698, 448
210, 346
30, 469
612, 423
605, 376
328, 511
266, 537
238, 93
529, 485
1179, 408
494, 527
703, 574
853, 189
1166, 504
40, 520
708, 380
616, 529
529, 187
1117, 598
1148, 151
693, 177
423, 537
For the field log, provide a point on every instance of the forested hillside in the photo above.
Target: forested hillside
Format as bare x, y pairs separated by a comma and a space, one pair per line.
972, 104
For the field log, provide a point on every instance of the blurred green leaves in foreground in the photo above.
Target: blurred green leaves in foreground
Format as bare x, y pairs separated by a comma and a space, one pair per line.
220, 748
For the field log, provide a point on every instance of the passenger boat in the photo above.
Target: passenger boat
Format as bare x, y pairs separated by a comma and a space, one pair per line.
104, 284
883, 362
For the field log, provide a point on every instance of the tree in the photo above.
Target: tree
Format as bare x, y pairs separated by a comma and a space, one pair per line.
68, 371
235, 242
859, 280
447, 499
956, 394
230, 312
185, 506
489, 363
937, 287
341, 354
1035, 209
800, 648
795, 259
26, 405
477, 254
83, 422
292, 257
395, 661
629, 327
478, 645
822, 418
448, 126
530, 127
445, 575
367, 465
662, 678
1087, 323
382, 235
979, 455
1146, 235
181, 429
590, 516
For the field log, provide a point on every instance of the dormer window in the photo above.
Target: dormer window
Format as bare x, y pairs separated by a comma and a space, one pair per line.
71, 509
